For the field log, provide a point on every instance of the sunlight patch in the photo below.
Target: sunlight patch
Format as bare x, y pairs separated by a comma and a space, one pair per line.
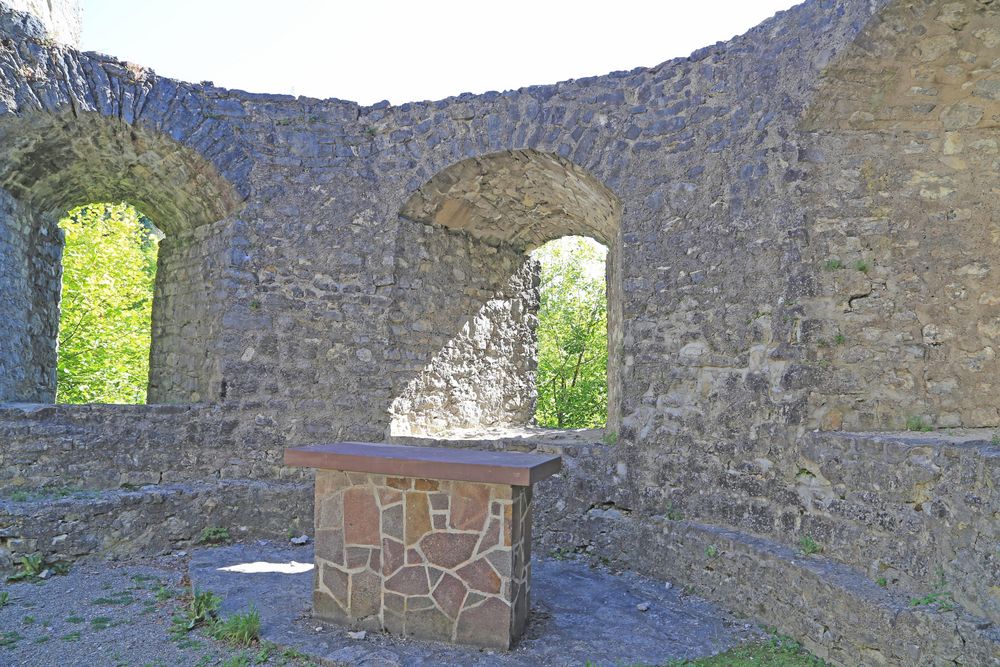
261, 567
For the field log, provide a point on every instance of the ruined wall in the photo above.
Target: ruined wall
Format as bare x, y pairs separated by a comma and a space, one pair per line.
740, 172
464, 332
904, 199
29, 269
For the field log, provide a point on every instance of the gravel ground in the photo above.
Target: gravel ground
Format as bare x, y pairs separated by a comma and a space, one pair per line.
119, 614
114, 614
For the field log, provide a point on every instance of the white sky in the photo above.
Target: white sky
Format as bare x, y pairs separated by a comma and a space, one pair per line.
370, 50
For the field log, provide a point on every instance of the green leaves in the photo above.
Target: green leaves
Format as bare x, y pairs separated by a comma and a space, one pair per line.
572, 334
109, 266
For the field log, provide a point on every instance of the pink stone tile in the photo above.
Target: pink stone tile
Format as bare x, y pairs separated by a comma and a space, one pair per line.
469, 506
491, 538
336, 582
488, 625
357, 557
389, 496
425, 485
361, 517
448, 549
479, 576
450, 594
392, 556
413, 557
410, 580
440, 521
366, 594
439, 501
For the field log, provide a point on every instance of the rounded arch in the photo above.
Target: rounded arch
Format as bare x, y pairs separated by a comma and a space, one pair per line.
479, 295
523, 198
53, 162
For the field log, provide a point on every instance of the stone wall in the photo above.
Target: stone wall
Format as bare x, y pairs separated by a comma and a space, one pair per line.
800, 229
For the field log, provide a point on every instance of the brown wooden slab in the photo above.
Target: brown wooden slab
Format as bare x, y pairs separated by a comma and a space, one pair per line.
466, 465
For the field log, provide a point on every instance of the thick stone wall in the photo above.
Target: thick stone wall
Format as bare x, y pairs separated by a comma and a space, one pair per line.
738, 190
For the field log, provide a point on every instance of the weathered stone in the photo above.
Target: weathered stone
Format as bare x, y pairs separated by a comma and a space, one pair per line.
448, 550
366, 594
469, 506
361, 516
418, 517
450, 594
487, 625
479, 576
409, 581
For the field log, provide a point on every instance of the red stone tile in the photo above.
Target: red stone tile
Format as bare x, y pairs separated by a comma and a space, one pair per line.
507, 525
450, 594
425, 485
413, 557
392, 556
491, 538
469, 506
361, 517
439, 501
388, 496
479, 576
418, 516
448, 549
488, 625
440, 521
409, 581
399, 482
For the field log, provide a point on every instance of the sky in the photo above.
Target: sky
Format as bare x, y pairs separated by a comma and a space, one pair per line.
372, 50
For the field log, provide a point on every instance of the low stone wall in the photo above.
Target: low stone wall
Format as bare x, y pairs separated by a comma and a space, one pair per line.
151, 520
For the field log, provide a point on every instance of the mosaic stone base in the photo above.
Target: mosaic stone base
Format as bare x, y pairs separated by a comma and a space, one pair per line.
433, 559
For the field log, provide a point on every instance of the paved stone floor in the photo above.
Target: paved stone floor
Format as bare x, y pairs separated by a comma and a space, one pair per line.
579, 614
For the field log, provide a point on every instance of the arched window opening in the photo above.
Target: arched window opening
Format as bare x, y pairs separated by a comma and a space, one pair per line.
106, 303
572, 334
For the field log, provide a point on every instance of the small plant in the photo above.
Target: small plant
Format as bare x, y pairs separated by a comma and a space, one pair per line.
862, 266
995, 440
917, 423
28, 620
240, 660
255, 305
20, 496
164, 593
101, 623
122, 598
809, 546
72, 636
882, 581
4, 599
560, 553
672, 513
239, 629
73, 618
839, 339
201, 609
833, 265
371, 131
214, 536
31, 566
610, 438
8, 639
940, 597
711, 551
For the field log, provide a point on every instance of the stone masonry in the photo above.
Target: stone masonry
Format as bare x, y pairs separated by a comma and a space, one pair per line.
434, 559
802, 225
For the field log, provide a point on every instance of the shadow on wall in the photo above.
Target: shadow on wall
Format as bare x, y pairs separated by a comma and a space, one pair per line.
465, 300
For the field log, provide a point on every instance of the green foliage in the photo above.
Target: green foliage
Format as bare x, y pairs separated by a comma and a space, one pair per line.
109, 265
712, 551
917, 423
29, 568
833, 265
214, 536
862, 266
4, 599
239, 629
778, 651
808, 546
202, 608
940, 597
572, 376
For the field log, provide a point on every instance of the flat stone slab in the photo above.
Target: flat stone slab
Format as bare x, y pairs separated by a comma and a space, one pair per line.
467, 465
579, 613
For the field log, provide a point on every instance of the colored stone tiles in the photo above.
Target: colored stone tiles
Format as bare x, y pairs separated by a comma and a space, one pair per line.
434, 559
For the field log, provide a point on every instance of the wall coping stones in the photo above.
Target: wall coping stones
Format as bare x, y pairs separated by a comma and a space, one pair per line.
489, 467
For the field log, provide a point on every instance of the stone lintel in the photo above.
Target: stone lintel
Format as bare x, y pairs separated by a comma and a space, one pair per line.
510, 468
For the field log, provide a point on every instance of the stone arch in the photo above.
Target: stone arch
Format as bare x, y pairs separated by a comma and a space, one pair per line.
484, 215
52, 162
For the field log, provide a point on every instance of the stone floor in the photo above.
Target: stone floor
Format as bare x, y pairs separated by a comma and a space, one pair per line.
579, 614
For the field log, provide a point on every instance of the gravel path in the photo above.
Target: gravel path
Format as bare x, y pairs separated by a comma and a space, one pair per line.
119, 614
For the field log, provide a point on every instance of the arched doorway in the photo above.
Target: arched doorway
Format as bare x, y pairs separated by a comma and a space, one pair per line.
467, 298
